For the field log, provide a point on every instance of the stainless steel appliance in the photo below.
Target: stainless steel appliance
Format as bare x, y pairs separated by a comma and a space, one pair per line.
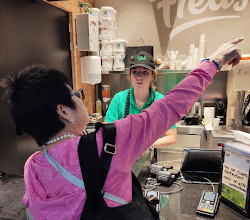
220, 111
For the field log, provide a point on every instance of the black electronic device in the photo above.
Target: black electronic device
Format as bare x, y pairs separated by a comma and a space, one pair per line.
154, 198
175, 172
167, 177
192, 119
208, 204
155, 168
220, 111
166, 180
200, 163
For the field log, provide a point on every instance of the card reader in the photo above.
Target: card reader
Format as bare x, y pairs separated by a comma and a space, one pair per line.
155, 168
154, 198
208, 204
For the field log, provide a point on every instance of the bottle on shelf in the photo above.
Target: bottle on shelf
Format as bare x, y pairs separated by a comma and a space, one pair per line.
98, 105
202, 47
105, 98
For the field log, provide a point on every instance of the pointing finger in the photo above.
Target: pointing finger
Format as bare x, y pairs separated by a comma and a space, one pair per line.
236, 41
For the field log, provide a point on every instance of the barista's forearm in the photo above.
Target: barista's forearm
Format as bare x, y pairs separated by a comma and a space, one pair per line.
170, 138
164, 142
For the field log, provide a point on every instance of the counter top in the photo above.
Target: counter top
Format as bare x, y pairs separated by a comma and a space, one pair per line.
234, 127
219, 132
182, 205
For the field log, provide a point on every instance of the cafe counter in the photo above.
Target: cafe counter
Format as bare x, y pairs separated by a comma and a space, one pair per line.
182, 205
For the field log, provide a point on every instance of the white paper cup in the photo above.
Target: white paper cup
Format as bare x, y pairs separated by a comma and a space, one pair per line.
178, 64
172, 64
208, 115
216, 121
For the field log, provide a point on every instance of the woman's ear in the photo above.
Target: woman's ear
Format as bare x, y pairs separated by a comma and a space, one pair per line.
62, 111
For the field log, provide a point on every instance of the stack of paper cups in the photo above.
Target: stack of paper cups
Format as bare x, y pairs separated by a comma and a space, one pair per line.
119, 47
119, 63
108, 22
96, 13
107, 16
107, 63
107, 48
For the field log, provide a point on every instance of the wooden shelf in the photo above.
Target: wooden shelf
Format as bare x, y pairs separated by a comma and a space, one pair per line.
167, 71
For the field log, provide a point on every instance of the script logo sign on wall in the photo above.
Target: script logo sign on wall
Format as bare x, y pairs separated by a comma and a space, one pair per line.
190, 13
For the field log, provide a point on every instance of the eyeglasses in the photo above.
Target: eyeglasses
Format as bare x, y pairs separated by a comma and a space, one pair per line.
79, 93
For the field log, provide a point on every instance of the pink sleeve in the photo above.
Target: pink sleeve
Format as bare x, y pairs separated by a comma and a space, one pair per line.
136, 133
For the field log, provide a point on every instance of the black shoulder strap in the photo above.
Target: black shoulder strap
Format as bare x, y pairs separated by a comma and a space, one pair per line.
94, 171
90, 168
109, 134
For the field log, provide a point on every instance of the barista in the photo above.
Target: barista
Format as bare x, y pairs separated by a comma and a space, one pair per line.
132, 101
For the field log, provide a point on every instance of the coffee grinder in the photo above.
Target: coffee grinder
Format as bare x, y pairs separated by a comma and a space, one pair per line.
220, 111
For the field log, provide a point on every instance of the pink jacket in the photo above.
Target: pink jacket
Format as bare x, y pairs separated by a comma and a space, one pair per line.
49, 196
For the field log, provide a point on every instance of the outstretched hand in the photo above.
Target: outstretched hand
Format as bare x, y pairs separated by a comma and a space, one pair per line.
227, 53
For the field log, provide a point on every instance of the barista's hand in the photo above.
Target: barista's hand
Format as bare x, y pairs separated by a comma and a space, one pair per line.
227, 53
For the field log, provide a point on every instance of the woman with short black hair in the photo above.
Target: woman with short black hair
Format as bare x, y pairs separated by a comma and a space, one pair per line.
44, 106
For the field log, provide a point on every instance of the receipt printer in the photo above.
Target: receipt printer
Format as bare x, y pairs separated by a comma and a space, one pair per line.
234, 188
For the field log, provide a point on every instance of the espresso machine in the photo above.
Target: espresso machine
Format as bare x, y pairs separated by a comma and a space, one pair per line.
220, 111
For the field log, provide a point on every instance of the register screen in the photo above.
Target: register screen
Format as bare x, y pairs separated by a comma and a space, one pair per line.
209, 196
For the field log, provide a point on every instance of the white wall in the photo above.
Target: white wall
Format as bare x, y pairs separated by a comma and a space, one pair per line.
135, 21
142, 19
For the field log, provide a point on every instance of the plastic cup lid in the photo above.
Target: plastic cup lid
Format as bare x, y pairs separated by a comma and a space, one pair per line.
106, 8
106, 42
96, 9
106, 86
119, 41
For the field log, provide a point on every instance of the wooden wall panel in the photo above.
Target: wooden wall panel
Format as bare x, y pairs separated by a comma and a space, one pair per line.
71, 6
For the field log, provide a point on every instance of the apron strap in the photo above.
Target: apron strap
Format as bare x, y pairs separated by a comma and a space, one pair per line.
128, 104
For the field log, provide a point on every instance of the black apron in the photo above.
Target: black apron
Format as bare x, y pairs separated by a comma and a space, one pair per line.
94, 171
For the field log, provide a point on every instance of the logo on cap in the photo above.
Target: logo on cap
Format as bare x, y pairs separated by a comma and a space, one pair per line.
140, 58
